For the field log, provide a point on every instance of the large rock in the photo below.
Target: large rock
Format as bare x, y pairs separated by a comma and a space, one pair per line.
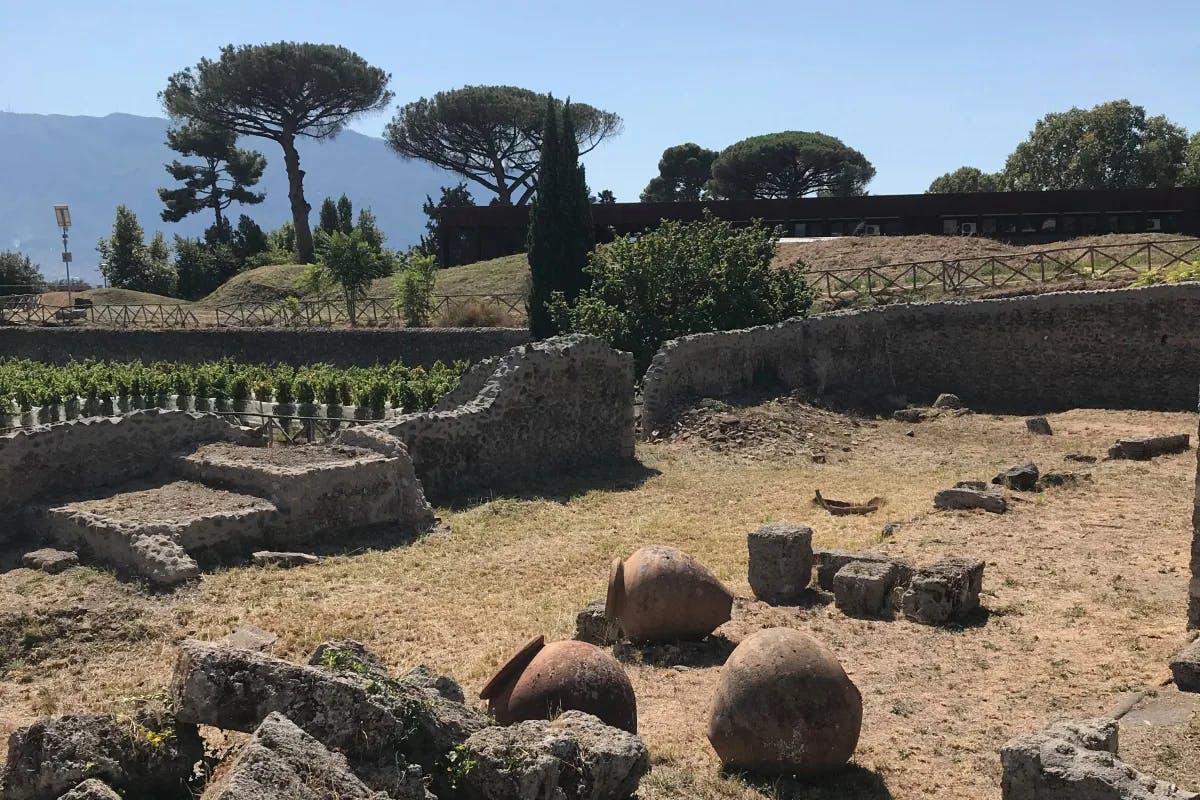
864, 588
91, 789
960, 499
1147, 447
377, 722
830, 562
1185, 667
426, 679
1077, 761
1020, 479
592, 625
947, 400
784, 706
573, 757
282, 762
781, 562
943, 592
50, 560
150, 755
1039, 426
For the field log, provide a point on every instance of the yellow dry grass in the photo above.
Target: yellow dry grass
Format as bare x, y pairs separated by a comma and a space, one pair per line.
1085, 588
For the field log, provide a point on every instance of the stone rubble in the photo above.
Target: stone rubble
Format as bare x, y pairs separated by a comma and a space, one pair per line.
593, 627
50, 560
946, 591
91, 789
948, 401
829, 562
1039, 426
1147, 447
275, 558
1185, 667
864, 588
962, 499
1023, 478
1077, 761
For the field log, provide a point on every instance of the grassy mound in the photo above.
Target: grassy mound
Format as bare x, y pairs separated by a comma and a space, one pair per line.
261, 285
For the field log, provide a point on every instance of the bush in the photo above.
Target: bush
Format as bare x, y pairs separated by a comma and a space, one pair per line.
681, 278
413, 288
474, 314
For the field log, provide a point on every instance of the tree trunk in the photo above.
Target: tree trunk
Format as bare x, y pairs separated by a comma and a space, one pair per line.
215, 195
300, 207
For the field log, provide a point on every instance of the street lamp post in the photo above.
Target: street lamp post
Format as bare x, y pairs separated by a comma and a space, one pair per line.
62, 215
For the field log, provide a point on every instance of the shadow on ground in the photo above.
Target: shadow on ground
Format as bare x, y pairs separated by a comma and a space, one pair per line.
712, 651
564, 485
851, 783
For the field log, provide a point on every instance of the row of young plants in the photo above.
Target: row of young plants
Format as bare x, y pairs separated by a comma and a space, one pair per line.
47, 393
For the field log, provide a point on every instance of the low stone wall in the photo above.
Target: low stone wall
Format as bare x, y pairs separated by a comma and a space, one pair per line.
67, 457
1126, 348
340, 347
541, 410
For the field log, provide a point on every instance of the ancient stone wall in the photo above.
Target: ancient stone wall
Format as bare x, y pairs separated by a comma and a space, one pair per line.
343, 348
67, 457
542, 410
1127, 348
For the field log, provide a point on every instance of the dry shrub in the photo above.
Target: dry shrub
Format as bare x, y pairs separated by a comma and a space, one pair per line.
476, 314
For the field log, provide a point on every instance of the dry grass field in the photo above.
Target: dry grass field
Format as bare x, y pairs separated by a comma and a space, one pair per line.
1084, 589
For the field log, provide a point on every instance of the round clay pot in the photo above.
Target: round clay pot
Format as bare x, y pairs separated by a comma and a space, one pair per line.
542, 680
784, 706
660, 594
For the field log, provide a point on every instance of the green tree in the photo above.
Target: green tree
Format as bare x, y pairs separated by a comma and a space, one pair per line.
965, 180
345, 214
490, 134
224, 177
789, 164
683, 172
202, 266
682, 278
605, 198
128, 263
1111, 146
561, 232
280, 92
1191, 162
327, 219
452, 197
413, 288
18, 274
248, 240
348, 262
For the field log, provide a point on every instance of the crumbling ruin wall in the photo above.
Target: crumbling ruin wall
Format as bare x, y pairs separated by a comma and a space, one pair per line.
66, 457
1125, 348
543, 409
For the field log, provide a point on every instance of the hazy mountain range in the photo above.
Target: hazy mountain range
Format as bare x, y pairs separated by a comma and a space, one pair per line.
95, 164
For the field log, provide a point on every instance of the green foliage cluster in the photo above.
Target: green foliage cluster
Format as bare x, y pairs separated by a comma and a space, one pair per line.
25, 384
561, 232
413, 288
682, 278
789, 164
966, 180
18, 274
1181, 273
129, 263
452, 197
348, 262
683, 173
224, 177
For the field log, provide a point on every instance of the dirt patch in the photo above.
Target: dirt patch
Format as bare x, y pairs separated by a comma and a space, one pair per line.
178, 501
283, 457
783, 428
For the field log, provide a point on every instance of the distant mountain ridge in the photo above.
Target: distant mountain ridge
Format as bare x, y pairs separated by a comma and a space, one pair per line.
95, 164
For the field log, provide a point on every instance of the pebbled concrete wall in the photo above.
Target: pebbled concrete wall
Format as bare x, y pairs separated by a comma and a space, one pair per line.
340, 347
543, 409
67, 457
1126, 348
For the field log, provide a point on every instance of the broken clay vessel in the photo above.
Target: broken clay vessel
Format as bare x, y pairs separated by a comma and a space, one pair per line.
784, 706
542, 680
660, 594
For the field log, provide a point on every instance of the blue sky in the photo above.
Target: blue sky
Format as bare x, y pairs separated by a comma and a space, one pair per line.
919, 87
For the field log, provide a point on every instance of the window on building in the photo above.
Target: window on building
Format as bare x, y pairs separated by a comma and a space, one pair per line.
949, 226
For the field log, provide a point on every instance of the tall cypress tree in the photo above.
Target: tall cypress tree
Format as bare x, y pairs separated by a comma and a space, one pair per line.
561, 233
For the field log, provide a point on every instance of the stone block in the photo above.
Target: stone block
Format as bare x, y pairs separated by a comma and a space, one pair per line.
148, 755
282, 762
1020, 479
943, 592
781, 562
50, 560
573, 757
864, 588
427, 680
251, 637
910, 415
1185, 667
1039, 426
283, 559
1147, 447
960, 499
949, 401
91, 789
378, 723
829, 562
592, 626
1077, 761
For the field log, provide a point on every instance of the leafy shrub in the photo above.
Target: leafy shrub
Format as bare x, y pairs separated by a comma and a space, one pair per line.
1181, 273
474, 314
681, 278
413, 288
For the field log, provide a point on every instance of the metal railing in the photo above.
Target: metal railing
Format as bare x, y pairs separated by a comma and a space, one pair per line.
980, 273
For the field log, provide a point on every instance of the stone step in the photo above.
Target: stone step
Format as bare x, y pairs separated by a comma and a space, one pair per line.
319, 489
156, 530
